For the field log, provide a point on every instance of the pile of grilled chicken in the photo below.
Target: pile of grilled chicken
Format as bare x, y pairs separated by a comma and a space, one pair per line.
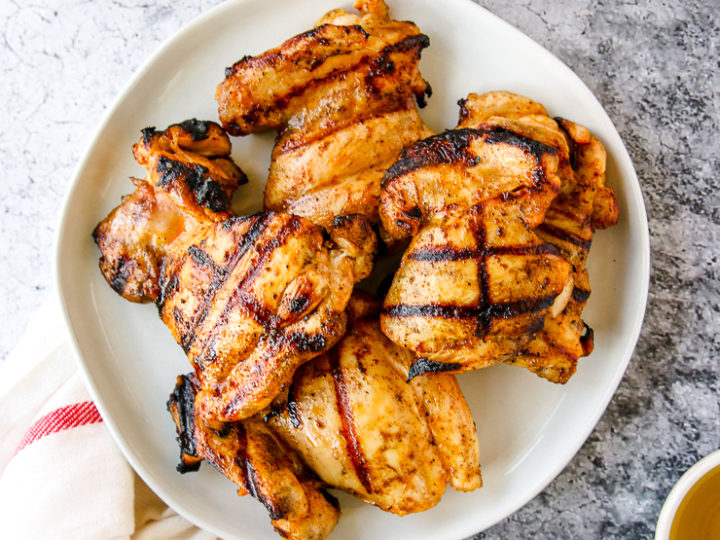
300, 381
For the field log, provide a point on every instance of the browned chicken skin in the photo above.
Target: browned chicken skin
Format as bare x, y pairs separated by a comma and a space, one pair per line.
251, 455
476, 283
583, 204
342, 96
248, 298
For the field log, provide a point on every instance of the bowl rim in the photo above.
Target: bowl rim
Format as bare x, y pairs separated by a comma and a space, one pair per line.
681, 488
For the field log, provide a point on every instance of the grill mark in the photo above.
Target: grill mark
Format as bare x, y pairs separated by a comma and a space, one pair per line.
202, 258
251, 236
276, 344
579, 295
451, 146
264, 251
299, 142
564, 235
484, 322
238, 295
167, 288
502, 310
557, 208
423, 365
348, 428
449, 253
281, 101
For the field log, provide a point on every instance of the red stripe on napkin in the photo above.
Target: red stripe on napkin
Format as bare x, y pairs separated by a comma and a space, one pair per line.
60, 419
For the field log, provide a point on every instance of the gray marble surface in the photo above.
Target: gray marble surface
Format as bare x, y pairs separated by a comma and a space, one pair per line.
655, 66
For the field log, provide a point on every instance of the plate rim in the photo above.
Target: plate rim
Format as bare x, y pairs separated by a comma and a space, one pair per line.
568, 452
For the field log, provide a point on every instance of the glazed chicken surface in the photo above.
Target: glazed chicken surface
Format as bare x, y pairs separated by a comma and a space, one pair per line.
349, 421
248, 298
476, 282
343, 99
584, 204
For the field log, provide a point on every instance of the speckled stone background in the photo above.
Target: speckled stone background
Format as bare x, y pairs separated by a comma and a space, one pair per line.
655, 66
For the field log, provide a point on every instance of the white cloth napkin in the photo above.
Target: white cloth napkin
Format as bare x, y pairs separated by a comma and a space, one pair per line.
61, 474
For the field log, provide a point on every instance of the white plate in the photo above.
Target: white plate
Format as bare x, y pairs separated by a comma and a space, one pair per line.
529, 429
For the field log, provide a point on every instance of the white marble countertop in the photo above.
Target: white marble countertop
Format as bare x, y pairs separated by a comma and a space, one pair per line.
655, 68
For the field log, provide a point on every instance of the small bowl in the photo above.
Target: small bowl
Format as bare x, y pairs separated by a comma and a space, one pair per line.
680, 491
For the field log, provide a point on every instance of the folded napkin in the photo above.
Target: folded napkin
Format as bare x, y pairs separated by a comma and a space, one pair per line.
61, 474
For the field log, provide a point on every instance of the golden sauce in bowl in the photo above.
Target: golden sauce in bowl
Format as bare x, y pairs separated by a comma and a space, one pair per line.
698, 516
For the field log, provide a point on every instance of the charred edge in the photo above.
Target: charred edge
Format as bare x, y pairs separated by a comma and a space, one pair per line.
580, 295
201, 258
452, 147
587, 340
198, 129
420, 97
183, 398
251, 484
464, 111
292, 407
331, 499
254, 232
348, 428
118, 279
207, 192
447, 147
498, 135
486, 313
438, 254
423, 365
562, 234
573, 147
147, 134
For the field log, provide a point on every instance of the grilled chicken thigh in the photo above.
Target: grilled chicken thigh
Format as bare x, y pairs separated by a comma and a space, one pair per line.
355, 420
251, 455
583, 204
248, 298
343, 98
476, 282
259, 296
